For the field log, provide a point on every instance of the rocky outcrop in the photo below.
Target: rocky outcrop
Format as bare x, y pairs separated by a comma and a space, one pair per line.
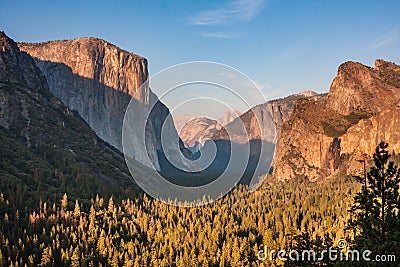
361, 89
282, 109
94, 59
260, 128
17, 67
361, 139
324, 138
98, 80
45, 147
302, 150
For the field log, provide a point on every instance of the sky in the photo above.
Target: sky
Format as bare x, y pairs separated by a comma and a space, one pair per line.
285, 47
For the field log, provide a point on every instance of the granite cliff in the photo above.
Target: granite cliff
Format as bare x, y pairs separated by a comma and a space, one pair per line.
317, 135
324, 138
98, 80
46, 147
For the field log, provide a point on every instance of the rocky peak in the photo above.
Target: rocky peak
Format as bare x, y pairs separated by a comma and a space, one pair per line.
361, 89
307, 93
198, 130
17, 67
6, 43
195, 130
389, 72
381, 65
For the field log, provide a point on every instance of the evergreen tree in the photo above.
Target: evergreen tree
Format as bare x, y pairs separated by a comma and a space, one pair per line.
64, 204
77, 210
75, 259
375, 212
47, 257
111, 205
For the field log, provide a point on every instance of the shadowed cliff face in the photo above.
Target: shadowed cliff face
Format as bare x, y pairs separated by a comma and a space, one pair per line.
259, 128
98, 80
47, 148
324, 138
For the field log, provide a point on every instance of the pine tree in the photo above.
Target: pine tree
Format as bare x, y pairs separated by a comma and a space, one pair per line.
75, 259
110, 205
64, 204
77, 210
376, 208
47, 257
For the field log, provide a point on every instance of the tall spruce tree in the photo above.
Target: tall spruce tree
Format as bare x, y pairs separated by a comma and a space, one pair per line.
375, 211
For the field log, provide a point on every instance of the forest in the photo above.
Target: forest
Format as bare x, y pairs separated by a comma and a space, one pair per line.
231, 231
146, 232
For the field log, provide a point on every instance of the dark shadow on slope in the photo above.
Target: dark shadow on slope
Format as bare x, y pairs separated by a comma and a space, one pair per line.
103, 108
255, 164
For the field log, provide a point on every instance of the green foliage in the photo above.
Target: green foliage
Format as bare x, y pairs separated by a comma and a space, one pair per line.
338, 125
47, 150
146, 232
375, 212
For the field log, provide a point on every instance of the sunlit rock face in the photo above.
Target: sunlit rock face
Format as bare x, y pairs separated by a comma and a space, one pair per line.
98, 80
324, 138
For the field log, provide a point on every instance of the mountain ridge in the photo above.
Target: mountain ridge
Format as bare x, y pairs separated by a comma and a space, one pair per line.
46, 147
99, 80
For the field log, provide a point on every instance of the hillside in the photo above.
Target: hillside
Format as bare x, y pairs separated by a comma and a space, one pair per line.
46, 148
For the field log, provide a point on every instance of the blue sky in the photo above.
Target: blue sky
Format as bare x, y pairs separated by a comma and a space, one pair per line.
284, 46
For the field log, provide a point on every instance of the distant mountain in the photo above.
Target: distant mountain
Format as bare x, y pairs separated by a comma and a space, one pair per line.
180, 121
228, 116
195, 130
280, 109
260, 128
46, 148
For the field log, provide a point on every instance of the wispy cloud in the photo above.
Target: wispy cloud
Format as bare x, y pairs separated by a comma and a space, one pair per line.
238, 10
386, 38
218, 35
227, 75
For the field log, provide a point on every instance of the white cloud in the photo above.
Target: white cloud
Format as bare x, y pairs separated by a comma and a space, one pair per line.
218, 35
227, 75
386, 38
238, 10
